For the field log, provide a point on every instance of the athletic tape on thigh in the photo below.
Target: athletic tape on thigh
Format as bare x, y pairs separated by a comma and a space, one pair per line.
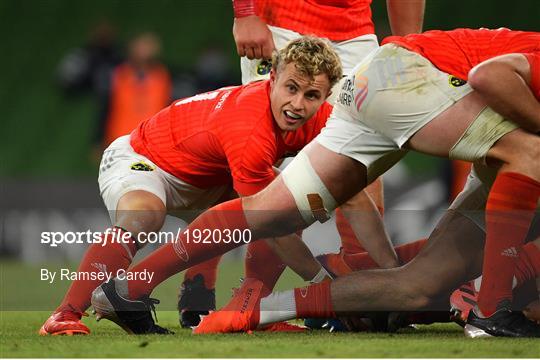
311, 196
482, 133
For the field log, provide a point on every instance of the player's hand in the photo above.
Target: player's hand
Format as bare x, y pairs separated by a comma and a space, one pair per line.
253, 38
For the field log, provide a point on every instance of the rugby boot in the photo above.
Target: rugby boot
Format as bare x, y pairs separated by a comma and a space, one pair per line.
503, 322
283, 326
241, 314
194, 301
462, 301
64, 323
134, 316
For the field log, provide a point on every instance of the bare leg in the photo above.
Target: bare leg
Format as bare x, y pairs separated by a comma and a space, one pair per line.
140, 211
451, 257
273, 211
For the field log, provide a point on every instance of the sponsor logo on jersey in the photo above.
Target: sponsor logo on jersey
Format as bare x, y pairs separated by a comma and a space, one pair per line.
264, 67
142, 166
455, 81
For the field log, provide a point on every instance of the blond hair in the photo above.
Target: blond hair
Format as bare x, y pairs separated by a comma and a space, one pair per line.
312, 56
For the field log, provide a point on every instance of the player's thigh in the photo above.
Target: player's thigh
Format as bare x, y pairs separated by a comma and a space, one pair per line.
132, 188
309, 188
452, 256
517, 151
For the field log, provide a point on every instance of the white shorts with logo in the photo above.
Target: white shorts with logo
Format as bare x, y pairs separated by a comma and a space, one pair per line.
389, 96
351, 52
123, 170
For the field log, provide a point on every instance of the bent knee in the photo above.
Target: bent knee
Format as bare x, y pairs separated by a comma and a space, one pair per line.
140, 211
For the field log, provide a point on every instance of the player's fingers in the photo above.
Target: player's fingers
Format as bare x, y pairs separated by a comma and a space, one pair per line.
267, 52
257, 51
240, 50
250, 53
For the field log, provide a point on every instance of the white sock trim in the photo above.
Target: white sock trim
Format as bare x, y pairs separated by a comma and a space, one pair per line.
321, 275
278, 306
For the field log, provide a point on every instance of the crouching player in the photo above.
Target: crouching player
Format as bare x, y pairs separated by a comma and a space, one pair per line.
186, 157
439, 93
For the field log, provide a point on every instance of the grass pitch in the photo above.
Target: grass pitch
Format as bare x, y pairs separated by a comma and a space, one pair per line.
19, 338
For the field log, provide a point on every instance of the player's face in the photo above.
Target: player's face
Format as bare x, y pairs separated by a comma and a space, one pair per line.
295, 98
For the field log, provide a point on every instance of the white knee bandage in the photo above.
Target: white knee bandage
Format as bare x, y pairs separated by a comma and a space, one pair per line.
311, 196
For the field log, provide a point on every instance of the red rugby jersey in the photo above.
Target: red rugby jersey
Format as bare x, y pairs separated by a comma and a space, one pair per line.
456, 52
207, 138
332, 19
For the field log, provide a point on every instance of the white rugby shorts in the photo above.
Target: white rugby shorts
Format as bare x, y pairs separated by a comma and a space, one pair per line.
349, 51
389, 96
123, 170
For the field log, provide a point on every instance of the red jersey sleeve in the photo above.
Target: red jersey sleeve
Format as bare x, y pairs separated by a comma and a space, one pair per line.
534, 62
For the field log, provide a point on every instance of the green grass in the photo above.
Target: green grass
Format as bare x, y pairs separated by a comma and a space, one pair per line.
19, 338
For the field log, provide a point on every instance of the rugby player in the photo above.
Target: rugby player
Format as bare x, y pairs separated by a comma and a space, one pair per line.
437, 88
260, 27
187, 155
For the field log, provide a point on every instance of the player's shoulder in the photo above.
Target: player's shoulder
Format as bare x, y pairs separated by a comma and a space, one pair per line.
255, 95
247, 108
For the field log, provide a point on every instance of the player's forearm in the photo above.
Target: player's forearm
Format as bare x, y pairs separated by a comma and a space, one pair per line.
405, 16
296, 255
368, 226
503, 83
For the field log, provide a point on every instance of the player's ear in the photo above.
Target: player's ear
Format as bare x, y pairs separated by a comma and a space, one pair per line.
272, 75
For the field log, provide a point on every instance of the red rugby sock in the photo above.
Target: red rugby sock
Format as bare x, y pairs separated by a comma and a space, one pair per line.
97, 258
509, 211
314, 301
187, 251
527, 263
407, 252
263, 264
404, 252
349, 241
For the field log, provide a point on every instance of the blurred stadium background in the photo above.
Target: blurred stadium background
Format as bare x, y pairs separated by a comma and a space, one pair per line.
48, 168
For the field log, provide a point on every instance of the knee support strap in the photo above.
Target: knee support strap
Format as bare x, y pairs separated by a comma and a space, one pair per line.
311, 196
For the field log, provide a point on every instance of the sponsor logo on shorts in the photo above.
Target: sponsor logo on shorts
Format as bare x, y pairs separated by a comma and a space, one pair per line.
345, 96
264, 67
361, 85
455, 81
142, 166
